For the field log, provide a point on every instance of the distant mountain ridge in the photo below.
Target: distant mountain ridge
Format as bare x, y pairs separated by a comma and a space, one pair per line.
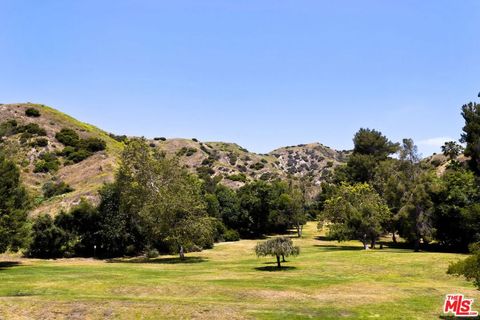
229, 163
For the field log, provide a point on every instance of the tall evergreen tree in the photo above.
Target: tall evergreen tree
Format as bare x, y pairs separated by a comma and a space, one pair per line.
471, 134
14, 203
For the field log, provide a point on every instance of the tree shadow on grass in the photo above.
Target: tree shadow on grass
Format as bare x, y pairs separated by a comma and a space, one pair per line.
274, 268
177, 260
8, 264
338, 248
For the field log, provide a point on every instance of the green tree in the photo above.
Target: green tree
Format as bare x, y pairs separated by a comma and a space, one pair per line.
456, 217
48, 240
471, 134
390, 183
452, 150
356, 212
14, 204
372, 142
291, 206
370, 148
256, 202
470, 267
277, 247
415, 215
155, 203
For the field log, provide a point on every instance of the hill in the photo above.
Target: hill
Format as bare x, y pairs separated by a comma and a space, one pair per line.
30, 140
85, 177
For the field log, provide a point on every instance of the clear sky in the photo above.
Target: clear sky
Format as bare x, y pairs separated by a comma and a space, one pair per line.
262, 73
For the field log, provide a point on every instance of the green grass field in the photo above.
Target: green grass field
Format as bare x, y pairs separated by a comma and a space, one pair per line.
329, 280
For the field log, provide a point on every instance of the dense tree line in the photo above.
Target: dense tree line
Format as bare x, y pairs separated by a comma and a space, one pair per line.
154, 205
385, 188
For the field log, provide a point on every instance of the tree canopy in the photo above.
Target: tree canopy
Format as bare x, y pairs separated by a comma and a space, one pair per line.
277, 247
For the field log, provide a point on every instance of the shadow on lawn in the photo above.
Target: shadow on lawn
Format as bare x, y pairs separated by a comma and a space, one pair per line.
186, 260
274, 268
8, 264
338, 248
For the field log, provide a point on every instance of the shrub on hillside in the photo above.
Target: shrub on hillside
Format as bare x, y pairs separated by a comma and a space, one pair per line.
93, 144
40, 142
68, 137
205, 171
237, 177
257, 166
79, 155
47, 162
232, 158
8, 128
32, 112
52, 189
31, 128
118, 138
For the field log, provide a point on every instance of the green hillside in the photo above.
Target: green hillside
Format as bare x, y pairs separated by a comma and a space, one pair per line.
228, 163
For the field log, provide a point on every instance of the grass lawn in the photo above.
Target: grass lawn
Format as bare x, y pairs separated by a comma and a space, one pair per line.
329, 280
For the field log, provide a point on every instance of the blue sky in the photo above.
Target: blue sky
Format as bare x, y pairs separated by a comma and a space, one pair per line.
263, 74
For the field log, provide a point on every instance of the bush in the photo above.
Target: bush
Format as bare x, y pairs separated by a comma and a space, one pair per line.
257, 166
93, 144
232, 158
8, 128
195, 140
52, 189
152, 253
121, 138
186, 151
68, 137
231, 235
237, 177
205, 171
160, 138
79, 155
32, 112
40, 142
32, 129
47, 162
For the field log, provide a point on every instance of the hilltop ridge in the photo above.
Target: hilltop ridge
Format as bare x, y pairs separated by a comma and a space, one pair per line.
228, 163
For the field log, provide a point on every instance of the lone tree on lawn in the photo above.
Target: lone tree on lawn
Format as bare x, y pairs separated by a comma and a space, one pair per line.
277, 247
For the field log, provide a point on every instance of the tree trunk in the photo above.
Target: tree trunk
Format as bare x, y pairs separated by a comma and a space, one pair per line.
417, 245
394, 237
365, 246
283, 258
182, 253
364, 241
373, 244
278, 262
299, 230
